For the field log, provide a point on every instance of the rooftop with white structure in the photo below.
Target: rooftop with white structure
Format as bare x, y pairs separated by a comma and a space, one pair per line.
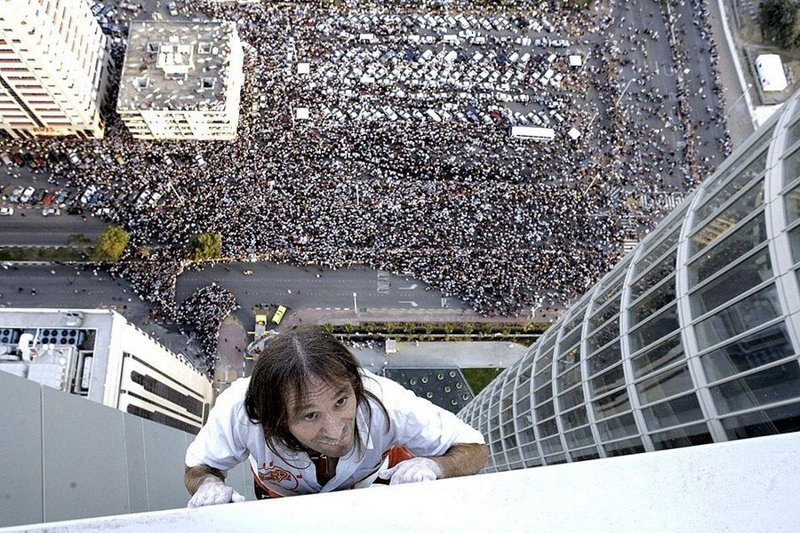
182, 80
177, 66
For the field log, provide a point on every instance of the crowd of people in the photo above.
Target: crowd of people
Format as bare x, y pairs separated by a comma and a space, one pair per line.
503, 224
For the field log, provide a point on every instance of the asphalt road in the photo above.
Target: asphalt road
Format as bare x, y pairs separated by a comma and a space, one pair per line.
314, 287
34, 229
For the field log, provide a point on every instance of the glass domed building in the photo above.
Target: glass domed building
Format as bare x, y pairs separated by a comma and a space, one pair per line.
692, 338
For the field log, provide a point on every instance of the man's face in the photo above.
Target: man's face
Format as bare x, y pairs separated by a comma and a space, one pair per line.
324, 419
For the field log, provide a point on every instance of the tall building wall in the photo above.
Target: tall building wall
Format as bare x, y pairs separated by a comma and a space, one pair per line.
54, 64
66, 458
692, 338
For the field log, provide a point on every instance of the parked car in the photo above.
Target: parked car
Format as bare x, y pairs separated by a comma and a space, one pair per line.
6, 211
15, 194
50, 198
38, 196
26, 195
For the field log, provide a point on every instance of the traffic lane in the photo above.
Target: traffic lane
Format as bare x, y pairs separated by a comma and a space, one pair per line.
313, 286
66, 286
27, 227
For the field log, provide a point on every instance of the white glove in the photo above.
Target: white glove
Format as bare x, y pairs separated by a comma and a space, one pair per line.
213, 491
413, 471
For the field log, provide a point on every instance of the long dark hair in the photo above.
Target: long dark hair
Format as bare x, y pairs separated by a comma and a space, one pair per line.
282, 372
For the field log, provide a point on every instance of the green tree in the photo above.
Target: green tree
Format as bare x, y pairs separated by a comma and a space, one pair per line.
110, 245
780, 22
206, 246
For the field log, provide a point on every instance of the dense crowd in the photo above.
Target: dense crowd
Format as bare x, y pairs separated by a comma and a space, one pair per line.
502, 224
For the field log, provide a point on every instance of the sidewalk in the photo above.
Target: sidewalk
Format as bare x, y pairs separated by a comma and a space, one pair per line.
233, 338
313, 316
475, 354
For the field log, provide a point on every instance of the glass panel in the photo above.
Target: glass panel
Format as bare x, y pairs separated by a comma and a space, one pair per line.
552, 445
611, 309
783, 419
607, 382
794, 240
729, 217
648, 258
624, 447
576, 319
604, 358
617, 428
611, 405
544, 411
793, 132
569, 340
792, 201
791, 167
543, 361
729, 189
605, 335
525, 375
547, 428
652, 277
523, 403
613, 290
580, 438
550, 341
729, 250
569, 379
574, 418
664, 385
543, 394
772, 385
665, 323
744, 315
584, 455
570, 399
542, 378
672, 413
758, 349
654, 301
741, 278
569, 358
680, 437
558, 459
526, 436
658, 356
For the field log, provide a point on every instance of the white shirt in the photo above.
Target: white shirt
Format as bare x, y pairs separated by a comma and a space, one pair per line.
229, 438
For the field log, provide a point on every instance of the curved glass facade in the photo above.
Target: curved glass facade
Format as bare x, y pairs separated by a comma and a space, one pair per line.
692, 338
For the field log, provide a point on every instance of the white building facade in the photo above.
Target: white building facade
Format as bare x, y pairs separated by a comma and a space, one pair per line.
98, 354
182, 81
54, 63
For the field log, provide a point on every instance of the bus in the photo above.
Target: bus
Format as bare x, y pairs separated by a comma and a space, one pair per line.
278, 316
528, 132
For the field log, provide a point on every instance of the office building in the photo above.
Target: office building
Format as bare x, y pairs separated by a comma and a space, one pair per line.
182, 81
54, 63
691, 339
101, 356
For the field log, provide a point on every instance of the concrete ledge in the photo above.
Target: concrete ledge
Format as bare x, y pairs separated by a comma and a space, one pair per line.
749, 485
